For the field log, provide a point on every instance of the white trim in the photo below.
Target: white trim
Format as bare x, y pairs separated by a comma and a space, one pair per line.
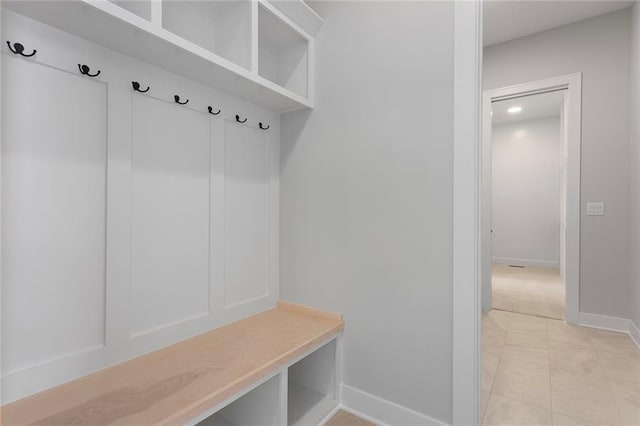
380, 411
526, 262
604, 322
326, 418
361, 415
634, 333
573, 106
467, 85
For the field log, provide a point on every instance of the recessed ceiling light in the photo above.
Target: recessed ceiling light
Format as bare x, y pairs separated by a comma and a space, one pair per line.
514, 110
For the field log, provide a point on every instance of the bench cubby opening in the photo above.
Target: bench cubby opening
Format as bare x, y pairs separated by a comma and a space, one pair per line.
312, 386
258, 407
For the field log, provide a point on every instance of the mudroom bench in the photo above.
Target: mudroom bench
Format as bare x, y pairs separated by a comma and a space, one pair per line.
278, 367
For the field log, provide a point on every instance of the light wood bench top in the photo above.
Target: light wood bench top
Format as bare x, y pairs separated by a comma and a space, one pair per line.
177, 383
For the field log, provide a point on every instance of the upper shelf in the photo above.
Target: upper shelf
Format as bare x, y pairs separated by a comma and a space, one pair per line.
214, 43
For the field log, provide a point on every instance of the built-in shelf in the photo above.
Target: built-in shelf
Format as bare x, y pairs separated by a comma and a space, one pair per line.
283, 53
221, 27
311, 387
259, 407
213, 49
142, 8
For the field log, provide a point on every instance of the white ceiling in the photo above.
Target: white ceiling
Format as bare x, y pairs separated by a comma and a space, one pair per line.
507, 20
534, 107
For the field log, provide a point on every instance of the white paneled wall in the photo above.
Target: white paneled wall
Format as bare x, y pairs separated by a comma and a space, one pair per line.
170, 199
129, 222
246, 215
54, 190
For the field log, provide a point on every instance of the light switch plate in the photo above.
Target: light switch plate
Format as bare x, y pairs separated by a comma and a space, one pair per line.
595, 209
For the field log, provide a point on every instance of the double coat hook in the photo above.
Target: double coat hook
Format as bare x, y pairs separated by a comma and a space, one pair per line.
136, 87
85, 70
177, 99
211, 111
262, 126
18, 49
240, 121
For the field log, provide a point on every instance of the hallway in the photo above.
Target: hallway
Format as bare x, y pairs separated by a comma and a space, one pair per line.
545, 372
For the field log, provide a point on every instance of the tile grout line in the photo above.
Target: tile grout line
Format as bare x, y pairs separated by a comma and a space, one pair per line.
608, 382
546, 323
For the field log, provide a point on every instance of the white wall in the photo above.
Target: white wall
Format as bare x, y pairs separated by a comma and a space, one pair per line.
599, 48
526, 192
366, 196
635, 168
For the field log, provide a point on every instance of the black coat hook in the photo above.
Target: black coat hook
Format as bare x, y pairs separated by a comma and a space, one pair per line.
18, 49
211, 111
177, 99
136, 87
84, 69
240, 121
262, 127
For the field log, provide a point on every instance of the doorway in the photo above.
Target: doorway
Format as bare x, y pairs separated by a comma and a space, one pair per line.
526, 204
530, 198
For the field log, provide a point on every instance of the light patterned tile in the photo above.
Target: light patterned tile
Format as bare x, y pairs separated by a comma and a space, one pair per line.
588, 400
493, 341
581, 361
526, 323
627, 396
562, 420
489, 367
484, 400
560, 331
529, 339
499, 320
620, 365
503, 411
610, 341
539, 356
523, 381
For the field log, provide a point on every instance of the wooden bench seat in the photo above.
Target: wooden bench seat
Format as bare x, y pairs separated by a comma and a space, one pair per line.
179, 382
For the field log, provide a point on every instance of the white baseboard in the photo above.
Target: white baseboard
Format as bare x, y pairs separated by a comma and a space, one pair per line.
380, 411
605, 322
330, 415
526, 262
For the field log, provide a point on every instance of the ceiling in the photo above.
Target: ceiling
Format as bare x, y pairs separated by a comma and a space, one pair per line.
507, 20
534, 107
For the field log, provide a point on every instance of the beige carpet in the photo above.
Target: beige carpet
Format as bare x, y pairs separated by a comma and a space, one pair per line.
530, 290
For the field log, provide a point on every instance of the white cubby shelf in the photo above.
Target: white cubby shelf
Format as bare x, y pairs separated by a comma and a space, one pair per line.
301, 394
246, 48
312, 386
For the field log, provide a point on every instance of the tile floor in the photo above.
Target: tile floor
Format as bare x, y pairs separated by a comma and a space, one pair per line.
541, 371
530, 290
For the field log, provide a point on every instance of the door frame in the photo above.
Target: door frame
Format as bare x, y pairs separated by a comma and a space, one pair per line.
467, 103
467, 179
571, 116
